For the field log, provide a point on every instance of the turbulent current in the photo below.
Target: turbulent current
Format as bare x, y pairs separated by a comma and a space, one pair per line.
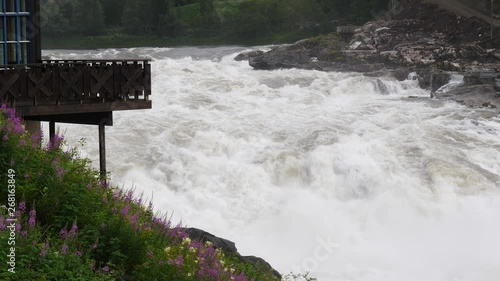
346, 176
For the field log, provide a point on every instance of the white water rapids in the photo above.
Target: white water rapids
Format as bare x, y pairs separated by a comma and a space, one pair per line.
309, 170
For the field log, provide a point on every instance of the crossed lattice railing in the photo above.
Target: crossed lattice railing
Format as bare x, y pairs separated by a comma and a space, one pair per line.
55, 82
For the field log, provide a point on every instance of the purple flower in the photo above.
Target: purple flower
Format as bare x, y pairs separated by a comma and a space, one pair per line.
134, 219
63, 233
125, 210
60, 171
24, 233
105, 269
128, 196
55, 143
36, 139
22, 143
45, 247
94, 246
43, 253
22, 206
64, 250
104, 183
5, 138
178, 262
3, 226
78, 253
74, 230
32, 219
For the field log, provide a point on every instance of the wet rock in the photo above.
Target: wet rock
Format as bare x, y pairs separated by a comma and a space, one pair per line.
219, 243
381, 87
439, 79
229, 248
247, 55
477, 75
473, 96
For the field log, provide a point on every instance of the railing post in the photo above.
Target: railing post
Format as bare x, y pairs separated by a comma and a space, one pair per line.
102, 149
52, 131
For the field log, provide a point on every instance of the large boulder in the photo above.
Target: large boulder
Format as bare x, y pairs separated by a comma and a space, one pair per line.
229, 248
473, 96
319, 53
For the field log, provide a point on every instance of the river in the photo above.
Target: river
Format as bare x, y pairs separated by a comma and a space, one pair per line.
334, 173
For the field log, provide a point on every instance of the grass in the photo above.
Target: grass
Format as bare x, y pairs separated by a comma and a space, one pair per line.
71, 225
122, 40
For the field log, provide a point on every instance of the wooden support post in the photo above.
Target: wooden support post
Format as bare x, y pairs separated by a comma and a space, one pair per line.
491, 23
102, 149
52, 131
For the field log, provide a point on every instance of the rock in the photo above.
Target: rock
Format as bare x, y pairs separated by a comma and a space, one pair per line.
477, 75
219, 243
247, 55
321, 53
473, 96
421, 39
261, 263
439, 79
381, 87
229, 248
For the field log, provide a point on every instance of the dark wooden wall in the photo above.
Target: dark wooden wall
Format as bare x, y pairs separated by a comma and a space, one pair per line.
35, 32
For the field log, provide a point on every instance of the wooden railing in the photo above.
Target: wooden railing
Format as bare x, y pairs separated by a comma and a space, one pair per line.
63, 82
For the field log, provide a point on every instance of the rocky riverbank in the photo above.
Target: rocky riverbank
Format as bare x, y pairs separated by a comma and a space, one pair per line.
419, 38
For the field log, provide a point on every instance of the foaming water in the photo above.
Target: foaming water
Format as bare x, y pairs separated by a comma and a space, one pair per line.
335, 173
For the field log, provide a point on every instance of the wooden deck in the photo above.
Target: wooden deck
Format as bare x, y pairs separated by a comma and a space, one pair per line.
64, 87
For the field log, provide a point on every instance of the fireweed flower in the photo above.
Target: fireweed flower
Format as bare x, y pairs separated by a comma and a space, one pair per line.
74, 230
60, 171
45, 247
125, 210
64, 249
105, 269
22, 143
3, 226
32, 218
63, 233
22, 207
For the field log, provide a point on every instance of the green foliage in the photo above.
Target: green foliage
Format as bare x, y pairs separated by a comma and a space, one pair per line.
191, 21
88, 17
71, 225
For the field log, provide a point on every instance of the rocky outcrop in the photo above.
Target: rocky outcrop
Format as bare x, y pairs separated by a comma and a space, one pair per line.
473, 96
420, 39
229, 248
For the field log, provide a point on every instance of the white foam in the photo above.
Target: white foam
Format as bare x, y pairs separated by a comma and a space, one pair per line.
282, 161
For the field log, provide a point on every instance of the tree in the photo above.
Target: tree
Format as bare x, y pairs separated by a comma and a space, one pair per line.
113, 10
88, 17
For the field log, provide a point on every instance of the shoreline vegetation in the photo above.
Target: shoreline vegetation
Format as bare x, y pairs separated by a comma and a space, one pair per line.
63, 222
77, 24
122, 40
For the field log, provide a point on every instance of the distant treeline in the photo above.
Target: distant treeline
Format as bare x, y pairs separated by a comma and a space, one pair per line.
238, 19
